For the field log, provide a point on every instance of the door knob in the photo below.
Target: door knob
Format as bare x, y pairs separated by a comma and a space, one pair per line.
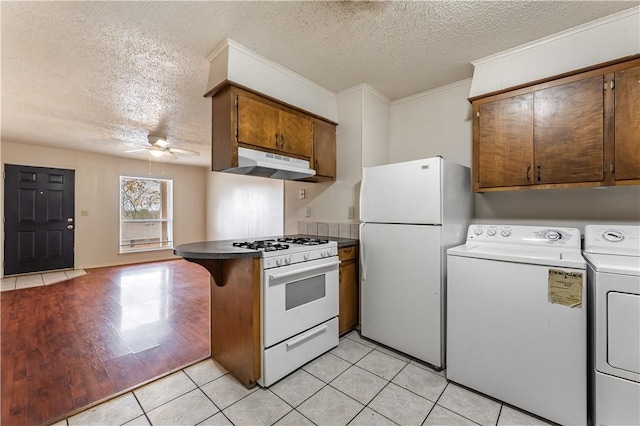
69, 226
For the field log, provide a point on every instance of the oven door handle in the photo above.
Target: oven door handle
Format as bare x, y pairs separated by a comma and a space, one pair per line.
292, 344
302, 270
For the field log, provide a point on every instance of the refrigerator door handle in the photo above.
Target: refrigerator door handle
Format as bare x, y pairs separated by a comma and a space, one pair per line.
362, 263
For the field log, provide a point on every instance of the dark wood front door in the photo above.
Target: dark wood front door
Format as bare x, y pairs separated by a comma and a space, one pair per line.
39, 219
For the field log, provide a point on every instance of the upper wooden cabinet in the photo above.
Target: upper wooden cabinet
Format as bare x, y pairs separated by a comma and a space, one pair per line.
324, 152
242, 118
262, 124
576, 130
627, 124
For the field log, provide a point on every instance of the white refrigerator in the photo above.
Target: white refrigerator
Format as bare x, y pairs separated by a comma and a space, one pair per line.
411, 213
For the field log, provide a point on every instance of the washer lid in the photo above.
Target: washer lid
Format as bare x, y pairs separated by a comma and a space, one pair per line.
614, 264
547, 256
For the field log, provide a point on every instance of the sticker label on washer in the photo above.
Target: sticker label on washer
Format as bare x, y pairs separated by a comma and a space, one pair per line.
565, 288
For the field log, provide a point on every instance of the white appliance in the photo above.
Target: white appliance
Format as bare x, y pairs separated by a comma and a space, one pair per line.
613, 255
517, 318
299, 302
266, 164
411, 212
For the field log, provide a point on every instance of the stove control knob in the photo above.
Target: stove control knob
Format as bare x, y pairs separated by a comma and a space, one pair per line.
279, 261
505, 232
477, 231
306, 256
491, 232
287, 260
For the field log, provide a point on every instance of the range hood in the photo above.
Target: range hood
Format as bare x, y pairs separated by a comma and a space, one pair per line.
266, 164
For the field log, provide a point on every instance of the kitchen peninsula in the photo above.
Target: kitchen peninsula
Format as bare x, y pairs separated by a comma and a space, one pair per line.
245, 339
235, 304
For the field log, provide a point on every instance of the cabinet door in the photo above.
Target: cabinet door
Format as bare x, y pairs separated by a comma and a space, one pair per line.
257, 123
627, 124
296, 134
568, 128
505, 142
348, 296
324, 149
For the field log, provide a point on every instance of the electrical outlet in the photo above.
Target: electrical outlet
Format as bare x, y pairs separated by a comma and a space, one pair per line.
307, 212
350, 212
301, 194
84, 212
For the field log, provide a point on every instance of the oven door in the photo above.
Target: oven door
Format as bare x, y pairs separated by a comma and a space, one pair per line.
298, 297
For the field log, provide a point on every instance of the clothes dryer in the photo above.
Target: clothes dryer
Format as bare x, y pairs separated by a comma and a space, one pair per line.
613, 256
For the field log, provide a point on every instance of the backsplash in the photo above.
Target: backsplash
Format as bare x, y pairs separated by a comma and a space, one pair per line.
330, 229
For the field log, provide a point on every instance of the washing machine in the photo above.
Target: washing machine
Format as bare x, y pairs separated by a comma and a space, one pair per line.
517, 318
613, 256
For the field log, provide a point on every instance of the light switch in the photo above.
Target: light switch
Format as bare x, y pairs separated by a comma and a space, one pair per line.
350, 212
84, 212
307, 211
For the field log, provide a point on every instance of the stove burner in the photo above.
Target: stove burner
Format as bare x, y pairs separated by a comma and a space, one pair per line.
303, 241
263, 245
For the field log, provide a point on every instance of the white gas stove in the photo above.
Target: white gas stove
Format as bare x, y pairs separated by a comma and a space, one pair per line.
299, 300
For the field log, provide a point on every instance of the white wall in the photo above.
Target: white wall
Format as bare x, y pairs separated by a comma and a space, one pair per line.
329, 202
242, 207
605, 39
436, 122
375, 127
232, 61
97, 191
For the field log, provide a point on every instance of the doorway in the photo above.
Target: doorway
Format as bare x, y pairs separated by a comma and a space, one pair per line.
39, 223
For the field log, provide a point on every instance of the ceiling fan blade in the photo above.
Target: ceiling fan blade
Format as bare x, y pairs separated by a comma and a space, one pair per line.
182, 151
137, 150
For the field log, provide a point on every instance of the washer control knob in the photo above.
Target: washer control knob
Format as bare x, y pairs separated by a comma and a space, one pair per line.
553, 235
491, 232
505, 233
477, 231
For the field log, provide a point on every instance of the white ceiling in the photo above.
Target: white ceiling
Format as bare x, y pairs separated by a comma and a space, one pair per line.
100, 76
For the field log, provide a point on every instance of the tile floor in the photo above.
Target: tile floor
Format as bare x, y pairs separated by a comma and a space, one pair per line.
357, 383
35, 280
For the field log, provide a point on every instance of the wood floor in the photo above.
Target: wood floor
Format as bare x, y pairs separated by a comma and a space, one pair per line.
68, 345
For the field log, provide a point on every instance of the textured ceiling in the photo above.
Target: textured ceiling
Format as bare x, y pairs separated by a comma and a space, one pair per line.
100, 76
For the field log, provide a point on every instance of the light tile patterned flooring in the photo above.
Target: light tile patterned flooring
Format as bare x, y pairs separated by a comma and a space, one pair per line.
35, 280
357, 383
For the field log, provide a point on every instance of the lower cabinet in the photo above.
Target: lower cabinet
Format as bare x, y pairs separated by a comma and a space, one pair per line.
349, 289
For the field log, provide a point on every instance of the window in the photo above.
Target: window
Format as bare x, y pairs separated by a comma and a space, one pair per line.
146, 214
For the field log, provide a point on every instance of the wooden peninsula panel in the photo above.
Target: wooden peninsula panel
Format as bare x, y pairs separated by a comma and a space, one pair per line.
235, 315
235, 319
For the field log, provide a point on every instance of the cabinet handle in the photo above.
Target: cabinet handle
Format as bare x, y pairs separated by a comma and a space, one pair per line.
277, 143
528, 170
538, 167
281, 141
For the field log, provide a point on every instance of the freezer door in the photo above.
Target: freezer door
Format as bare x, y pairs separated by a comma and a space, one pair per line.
402, 289
408, 192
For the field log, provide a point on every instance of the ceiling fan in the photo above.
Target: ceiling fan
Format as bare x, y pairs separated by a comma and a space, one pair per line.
159, 147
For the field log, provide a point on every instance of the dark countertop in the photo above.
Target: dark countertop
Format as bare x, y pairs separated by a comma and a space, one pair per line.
225, 250
213, 250
342, 242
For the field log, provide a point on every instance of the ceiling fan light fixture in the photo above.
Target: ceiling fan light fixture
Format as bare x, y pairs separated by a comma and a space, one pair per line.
158, 141
156, 153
